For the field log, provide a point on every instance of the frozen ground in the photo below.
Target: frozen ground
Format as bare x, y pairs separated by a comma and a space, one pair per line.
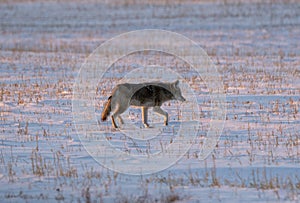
256, 48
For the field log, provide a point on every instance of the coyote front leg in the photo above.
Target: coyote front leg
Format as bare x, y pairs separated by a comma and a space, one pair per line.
158, 110
145, 116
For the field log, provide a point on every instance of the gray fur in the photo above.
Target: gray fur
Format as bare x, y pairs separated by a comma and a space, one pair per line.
144, 95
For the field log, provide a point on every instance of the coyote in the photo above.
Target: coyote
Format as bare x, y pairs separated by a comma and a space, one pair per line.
145, 95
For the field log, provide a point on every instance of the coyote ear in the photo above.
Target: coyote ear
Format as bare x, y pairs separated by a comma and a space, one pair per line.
176, 83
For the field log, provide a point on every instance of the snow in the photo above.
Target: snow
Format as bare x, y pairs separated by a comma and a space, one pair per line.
256, 49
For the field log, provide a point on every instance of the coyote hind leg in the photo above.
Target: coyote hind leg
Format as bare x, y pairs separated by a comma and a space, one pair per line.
113, 122
120, 120
158, 110
119, 110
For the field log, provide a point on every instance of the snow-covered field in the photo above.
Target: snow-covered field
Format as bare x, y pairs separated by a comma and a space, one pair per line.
256, 49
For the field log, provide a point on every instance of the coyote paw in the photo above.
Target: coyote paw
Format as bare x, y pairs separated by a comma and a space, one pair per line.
115, 129
146, 125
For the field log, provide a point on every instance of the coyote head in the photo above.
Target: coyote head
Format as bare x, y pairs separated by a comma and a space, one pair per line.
176, 91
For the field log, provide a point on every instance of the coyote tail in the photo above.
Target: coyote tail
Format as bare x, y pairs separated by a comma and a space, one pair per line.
106, 110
